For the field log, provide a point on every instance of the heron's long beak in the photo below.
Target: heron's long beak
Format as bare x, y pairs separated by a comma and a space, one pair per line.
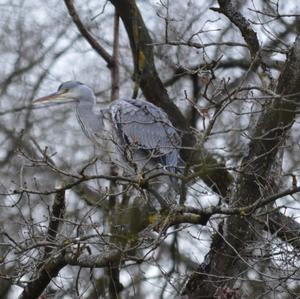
59, 96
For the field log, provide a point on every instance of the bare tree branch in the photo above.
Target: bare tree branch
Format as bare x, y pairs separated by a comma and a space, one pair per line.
115, 72
148, 79
269, 133
227, 8
48, 269
51, 269
58, 210
36, 287
286, 228
87, 35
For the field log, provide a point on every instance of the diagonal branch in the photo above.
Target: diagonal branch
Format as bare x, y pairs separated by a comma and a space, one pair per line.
58, 210
145, 72
51, 269
36, 287
48, 269
53, 263
147, 78
286, 228
115, 72
87, 35
249, 35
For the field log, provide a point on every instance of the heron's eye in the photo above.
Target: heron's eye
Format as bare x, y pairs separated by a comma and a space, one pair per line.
66, 90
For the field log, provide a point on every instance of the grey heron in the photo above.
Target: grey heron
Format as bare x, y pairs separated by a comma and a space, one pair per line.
140, 126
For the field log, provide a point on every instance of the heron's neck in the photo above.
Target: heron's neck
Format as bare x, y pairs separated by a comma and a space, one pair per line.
90, 122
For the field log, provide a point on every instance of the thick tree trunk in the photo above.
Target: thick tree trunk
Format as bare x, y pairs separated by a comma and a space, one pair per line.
227, 258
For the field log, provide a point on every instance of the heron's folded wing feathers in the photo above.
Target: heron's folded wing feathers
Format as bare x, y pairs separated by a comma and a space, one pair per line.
146, 126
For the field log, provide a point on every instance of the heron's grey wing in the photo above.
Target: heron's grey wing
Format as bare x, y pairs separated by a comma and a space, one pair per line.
147, 127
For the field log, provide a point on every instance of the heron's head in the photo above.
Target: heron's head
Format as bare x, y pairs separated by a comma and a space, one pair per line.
70, 91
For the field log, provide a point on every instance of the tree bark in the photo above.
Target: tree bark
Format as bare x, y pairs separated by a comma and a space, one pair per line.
226, 259
210, 170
